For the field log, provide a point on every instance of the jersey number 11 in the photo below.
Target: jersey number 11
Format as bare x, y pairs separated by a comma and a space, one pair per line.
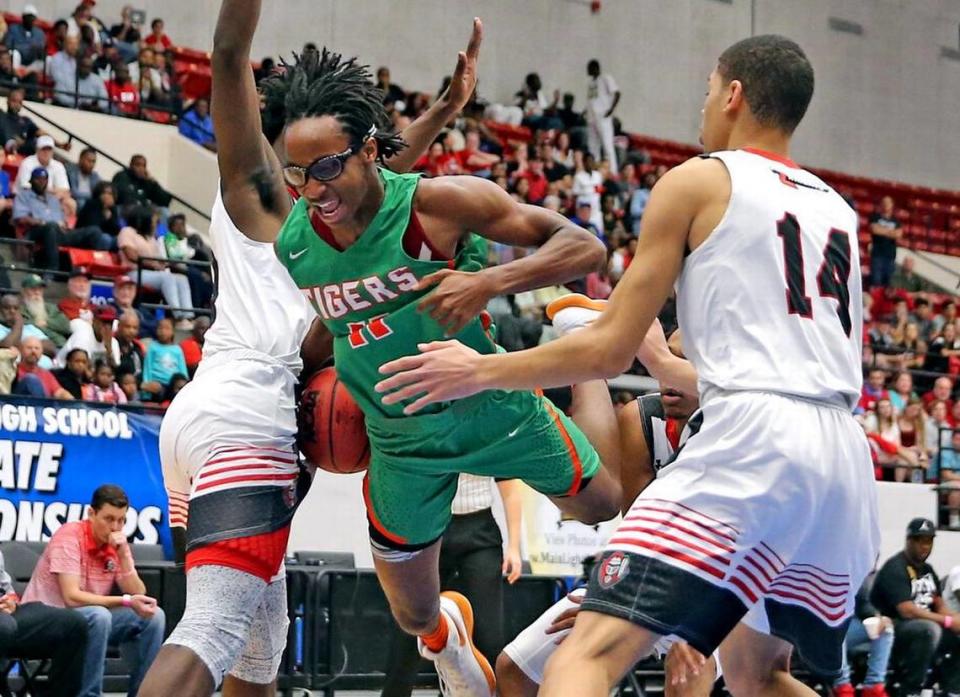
831, 279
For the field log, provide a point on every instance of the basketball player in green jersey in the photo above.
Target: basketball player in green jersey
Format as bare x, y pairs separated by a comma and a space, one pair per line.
378, 255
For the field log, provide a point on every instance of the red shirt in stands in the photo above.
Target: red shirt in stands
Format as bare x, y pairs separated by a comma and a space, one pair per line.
538, 186
191, 353
164, 41
50, 384
929, 398
869, 398
72, 307
125, 97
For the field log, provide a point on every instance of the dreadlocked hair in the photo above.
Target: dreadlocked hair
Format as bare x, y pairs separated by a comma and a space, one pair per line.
322, 83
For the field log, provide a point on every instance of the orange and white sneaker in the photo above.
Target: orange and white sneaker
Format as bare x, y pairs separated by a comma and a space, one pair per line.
462, 669
574, 311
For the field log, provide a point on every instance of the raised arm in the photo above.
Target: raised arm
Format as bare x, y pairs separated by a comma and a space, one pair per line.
250, 176
420, 134
453, 206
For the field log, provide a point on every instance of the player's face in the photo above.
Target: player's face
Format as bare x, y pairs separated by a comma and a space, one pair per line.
713, 128
337, 200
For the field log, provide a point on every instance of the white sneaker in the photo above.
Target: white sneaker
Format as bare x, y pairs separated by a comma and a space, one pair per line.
574, 311
462, 669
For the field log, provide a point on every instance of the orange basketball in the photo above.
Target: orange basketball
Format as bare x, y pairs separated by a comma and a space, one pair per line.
331, 428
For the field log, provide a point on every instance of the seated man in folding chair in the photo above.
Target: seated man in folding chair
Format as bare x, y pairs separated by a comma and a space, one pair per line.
35, 630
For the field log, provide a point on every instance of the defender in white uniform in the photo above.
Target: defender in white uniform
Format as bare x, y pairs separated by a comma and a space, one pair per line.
768, 515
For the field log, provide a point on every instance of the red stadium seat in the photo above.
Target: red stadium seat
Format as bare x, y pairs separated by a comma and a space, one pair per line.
98, 262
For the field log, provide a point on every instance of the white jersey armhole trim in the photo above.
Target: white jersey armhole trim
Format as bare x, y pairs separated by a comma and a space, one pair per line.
722, 225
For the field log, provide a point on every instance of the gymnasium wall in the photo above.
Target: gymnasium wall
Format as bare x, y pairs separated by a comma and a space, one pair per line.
887, 105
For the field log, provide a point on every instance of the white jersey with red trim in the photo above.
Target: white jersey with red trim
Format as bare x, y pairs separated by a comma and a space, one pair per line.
257, 307
771, 301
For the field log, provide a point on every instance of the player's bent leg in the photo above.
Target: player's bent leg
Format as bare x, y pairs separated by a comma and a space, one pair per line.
254, 673
758, 665
411, 582
235, 687
183, 666
636, 469
595, 657
512, 681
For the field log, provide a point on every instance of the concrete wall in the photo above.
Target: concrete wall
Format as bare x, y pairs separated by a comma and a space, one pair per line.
887, 105
181, 166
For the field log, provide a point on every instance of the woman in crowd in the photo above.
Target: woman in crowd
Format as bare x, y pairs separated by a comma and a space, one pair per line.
912, 424
101, 210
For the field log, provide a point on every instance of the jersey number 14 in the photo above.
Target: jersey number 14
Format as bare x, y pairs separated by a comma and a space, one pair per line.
831, 279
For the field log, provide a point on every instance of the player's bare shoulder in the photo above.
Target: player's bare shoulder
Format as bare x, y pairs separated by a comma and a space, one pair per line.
701, 188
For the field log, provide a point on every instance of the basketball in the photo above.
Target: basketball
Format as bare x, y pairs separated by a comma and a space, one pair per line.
331, 430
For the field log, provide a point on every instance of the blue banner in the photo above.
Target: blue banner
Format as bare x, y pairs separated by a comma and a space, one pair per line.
54, 454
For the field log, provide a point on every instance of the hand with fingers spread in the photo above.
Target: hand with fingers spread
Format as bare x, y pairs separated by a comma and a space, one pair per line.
464, 80
444, 370
457, 298
564, 621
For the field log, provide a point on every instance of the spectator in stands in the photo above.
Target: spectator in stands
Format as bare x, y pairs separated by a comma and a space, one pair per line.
124, 94
103, 388
138, 240
563, 153
571, 118
10, 79
79, 568
266, 69
157, 39
177, 383
583, 215
882, 425
18, 131
177, 248
41, 313
868, 628
132, 353
56, 37
915, 349
35, 631
32, 380
948, 315
942, 391
603, 95
62, 69
96, 338
124, 300
885, 232
75, 377
28, 40
942, 349
587, 184
391, 93
923, 316
907, 590
164, 358
906, 279
135, 185
902, 391
537, 180
76, 303
101, 210
81, 17
196, 124
13, 329
473, 160
538, 111
41, 214
554, 170
128, 383
874, 389
192, 346
886, 353
83, 181
126, 34
91, 88
59, 183
949, 471
912, 424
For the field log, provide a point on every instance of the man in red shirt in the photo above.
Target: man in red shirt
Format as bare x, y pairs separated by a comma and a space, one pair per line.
76, 305
79, 568
124, 95
192, 346
32, 380
538, 182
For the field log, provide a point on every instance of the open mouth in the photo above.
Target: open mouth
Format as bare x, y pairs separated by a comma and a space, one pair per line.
330, 209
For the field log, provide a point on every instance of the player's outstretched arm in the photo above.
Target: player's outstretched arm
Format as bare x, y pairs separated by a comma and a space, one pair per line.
457, 205
253, 190
420, 134
689, 196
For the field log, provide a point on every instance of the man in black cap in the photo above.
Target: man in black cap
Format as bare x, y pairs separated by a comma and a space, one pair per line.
908, 590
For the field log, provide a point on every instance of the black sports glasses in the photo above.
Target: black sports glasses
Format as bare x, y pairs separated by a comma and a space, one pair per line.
323, 169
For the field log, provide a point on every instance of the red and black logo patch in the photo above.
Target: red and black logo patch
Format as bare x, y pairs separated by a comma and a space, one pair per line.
613, 569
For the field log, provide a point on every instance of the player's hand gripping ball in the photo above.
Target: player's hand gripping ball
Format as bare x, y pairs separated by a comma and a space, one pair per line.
332, 433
